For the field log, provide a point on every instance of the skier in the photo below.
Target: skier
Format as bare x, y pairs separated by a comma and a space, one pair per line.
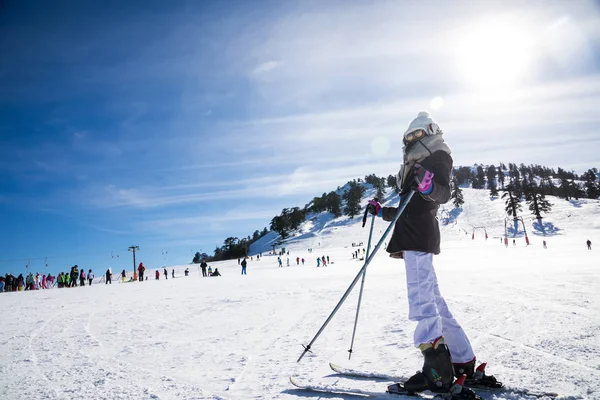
1, 284
20, 282
426, 168
82, 278
186, 272
544, 242
297, 260
318, 262
324, 262
173, 272
279, 261
244, 263
166, 273
288, 261
209, 271
90, 277
203, 265
141, 270
123, 275
74, 275
216, 273
302, 260
157, 275
109, 276
589, 244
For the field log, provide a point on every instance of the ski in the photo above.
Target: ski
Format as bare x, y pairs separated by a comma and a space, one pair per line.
382, 376
345, 391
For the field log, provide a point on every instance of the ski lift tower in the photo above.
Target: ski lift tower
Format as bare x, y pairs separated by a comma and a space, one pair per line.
479, 227
134, 249
516, 222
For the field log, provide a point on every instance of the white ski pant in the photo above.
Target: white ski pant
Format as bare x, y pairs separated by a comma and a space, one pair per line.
427, 306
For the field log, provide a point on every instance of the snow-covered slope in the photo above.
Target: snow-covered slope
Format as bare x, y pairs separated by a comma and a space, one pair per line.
533, 314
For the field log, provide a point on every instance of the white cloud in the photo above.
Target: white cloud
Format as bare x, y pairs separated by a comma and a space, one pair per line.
266, 67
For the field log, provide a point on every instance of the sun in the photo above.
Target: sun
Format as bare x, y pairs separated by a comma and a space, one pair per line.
495, 53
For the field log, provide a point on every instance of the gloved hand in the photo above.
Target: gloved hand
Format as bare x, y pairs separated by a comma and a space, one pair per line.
374, 207
423, 179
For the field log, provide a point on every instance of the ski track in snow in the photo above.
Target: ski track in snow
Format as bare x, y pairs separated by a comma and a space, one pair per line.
532, 314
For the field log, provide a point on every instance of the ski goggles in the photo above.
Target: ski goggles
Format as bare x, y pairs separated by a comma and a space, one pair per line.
414, 135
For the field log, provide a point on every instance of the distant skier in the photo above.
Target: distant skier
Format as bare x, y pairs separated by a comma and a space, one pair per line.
288, 261
216, 273
123, 275
173, 273
589, 244
186, 272
141, 270
157, 275
297, 260
280, 262
203, 265
324, 262
210, 271
426, 170
166, 273
302, 260
90, 277
327, 259
318, 262
544, 242
74, 275
244, 263
109, 276
82, 278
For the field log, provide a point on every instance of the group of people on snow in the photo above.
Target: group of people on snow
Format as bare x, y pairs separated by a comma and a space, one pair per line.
75, 277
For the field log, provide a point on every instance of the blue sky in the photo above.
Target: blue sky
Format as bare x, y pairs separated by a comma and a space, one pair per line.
173, 125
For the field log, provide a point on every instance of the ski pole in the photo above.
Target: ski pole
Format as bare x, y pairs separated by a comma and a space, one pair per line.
401, 207
362, 283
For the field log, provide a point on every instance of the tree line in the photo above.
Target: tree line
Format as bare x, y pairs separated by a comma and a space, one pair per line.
517, 182
530, 183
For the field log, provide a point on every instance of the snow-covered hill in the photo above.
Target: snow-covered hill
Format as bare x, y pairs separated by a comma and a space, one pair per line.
532, 313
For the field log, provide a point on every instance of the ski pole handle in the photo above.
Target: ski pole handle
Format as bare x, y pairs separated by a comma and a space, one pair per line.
365, 216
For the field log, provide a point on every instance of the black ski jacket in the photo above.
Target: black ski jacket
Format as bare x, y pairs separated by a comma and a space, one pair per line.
418, 229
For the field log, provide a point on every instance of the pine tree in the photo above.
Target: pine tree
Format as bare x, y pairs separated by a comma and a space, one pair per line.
478, 178
537, 201
491, 177
380, 194
592, 191
513, 206
564, 190
493, 190
392, 182
501, 175
456, 194
334, 204
462, 175
352, 196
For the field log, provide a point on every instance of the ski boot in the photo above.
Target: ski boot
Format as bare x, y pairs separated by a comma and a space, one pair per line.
437, 375
476, 377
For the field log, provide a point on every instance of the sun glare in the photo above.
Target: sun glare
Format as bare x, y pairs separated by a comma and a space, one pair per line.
495, 54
